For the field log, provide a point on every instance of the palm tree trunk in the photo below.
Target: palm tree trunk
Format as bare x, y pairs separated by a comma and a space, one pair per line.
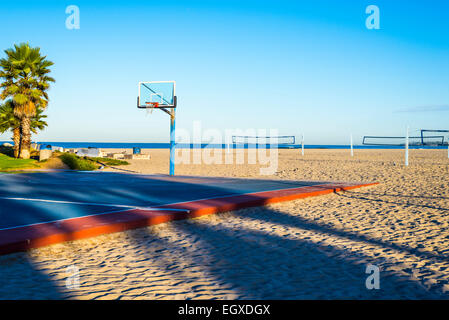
16, 140
26, 138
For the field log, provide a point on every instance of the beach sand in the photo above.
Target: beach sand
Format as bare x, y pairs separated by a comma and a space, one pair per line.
315, 248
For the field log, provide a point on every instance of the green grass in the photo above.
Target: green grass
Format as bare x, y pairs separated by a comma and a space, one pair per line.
111, 162
8, 163
88, 164
76, 163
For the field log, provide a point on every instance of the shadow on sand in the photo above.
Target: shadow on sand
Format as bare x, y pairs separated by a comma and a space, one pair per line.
366, 197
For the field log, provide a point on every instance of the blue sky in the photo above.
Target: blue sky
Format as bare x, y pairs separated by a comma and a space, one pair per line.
307, 67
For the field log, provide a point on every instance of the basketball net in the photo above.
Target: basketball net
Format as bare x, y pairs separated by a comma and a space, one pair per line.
151, 106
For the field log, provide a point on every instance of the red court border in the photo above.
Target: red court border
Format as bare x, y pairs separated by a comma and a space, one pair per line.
43, 234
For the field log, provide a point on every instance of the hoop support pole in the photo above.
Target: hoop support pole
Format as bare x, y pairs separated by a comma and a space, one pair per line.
302, 144
352, 146
172, 142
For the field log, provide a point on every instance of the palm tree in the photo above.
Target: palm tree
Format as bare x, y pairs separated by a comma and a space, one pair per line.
38, 122
25, 73
9, 121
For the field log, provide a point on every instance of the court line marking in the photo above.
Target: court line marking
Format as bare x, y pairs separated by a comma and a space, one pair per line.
60, 220
156, 208
82, 203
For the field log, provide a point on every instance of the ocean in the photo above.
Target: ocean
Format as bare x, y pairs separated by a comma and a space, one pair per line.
130, 145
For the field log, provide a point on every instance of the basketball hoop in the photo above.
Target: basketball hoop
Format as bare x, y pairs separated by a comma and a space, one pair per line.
152, 104
164, 93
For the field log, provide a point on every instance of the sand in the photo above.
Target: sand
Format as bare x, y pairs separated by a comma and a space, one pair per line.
315, 248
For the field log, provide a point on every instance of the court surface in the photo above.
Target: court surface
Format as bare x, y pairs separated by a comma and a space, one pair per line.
38, 209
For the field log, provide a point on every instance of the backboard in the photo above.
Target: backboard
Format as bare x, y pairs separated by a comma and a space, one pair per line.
160, 92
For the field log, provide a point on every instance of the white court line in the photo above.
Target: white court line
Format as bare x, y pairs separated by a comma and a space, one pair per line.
51, 221
96, 214
156, 208
145, 208
84, 203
